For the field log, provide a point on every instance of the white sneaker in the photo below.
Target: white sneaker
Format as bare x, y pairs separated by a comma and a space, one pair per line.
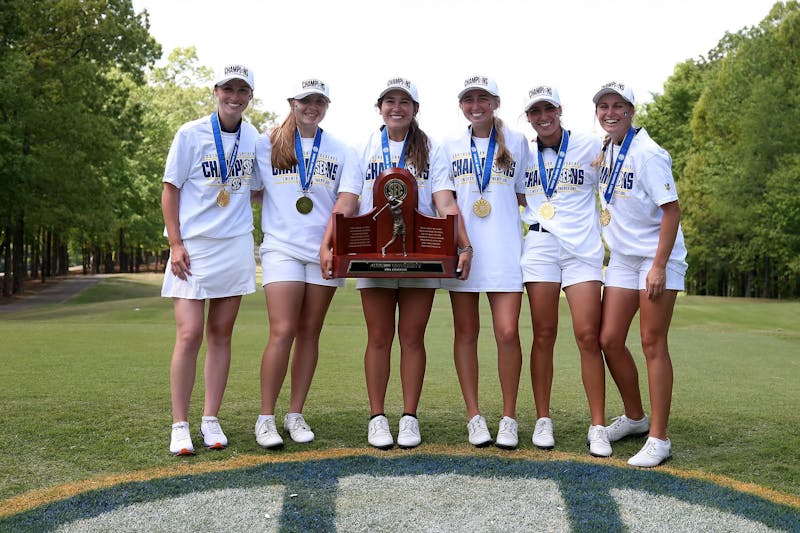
597, 440
378, 434
507, 434
408, 436
267, 435
213, 437
653, 453
296, 425
479, 435
622, 427
181, 441
543, 434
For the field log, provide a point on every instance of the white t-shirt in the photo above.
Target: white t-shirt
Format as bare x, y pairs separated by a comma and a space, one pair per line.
286, 229
645, 183
576, 223
193, 167
496, 238
435, 179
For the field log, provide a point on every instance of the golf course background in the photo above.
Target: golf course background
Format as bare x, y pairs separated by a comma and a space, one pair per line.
86, 391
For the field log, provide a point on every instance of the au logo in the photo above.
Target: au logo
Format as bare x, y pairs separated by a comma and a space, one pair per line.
415, 492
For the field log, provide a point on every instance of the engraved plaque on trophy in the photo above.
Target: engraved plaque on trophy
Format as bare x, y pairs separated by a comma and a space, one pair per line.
394, 240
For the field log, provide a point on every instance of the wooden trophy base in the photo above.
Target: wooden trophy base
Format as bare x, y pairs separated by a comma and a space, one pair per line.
394, 240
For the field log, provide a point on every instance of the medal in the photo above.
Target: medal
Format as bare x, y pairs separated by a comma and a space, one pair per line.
605, 217
304, 205
481, 207
305, 170
547, 211
223, 198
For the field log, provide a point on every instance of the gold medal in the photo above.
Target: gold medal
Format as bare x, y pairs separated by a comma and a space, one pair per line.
481, 207
304, 205
605, 217
223, 198
547, 211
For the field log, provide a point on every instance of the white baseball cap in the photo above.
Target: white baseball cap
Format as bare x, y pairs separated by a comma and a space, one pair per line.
310, 86
542, 93
614, 87
401, 84
235, 71
479, 82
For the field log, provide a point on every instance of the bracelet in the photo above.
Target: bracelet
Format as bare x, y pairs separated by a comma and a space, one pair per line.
467, 248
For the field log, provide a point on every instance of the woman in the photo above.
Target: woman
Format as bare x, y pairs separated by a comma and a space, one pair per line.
641, 225
563, 250
209, 223
300, 167
407, 146
487, 164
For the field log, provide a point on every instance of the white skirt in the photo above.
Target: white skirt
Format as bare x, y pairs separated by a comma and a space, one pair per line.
220, 268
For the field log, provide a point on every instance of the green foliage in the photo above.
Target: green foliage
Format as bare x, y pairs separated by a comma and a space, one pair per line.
731, 123
86, 126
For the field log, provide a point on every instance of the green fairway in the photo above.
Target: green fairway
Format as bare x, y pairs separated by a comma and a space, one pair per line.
86, 387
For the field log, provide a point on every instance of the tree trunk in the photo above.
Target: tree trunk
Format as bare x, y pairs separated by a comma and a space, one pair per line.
7, 231
18, 254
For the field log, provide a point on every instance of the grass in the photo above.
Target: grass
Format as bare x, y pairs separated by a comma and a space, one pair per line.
86, 387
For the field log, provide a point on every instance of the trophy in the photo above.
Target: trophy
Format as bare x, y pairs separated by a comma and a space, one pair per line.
394, 240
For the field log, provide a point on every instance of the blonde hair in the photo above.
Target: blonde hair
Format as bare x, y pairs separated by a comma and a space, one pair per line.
602, 155
283, 156
503, 155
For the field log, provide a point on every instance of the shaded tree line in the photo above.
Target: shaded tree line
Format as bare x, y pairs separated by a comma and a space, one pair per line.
732, 124
86, 120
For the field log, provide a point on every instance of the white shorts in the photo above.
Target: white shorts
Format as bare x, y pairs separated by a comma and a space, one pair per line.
220, 268
630, 272
277, 266
544, 259
398, 283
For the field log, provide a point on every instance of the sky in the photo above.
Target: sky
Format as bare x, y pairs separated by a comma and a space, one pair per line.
357, 45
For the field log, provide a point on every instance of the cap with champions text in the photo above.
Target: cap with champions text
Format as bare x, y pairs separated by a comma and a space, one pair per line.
479, 82
542, 93
401, 84
614, 87
309, 87
235, 71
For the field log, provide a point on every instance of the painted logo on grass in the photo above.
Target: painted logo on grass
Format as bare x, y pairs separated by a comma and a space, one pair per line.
414, 493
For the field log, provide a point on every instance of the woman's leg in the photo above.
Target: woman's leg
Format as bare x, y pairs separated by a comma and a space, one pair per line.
415, 310
222, 314
655, 318
619, 307
379, 312
316, 300
543, 298
189, 319
284, 304
466, 325
584, 304
505, 308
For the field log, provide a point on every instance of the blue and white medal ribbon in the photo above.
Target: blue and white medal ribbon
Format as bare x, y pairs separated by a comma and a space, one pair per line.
483, 174
547, 210
387, 154
224, 197
304, 204
605, 214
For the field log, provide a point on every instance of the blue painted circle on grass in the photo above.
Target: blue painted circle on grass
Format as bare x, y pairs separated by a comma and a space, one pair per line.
586, 489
